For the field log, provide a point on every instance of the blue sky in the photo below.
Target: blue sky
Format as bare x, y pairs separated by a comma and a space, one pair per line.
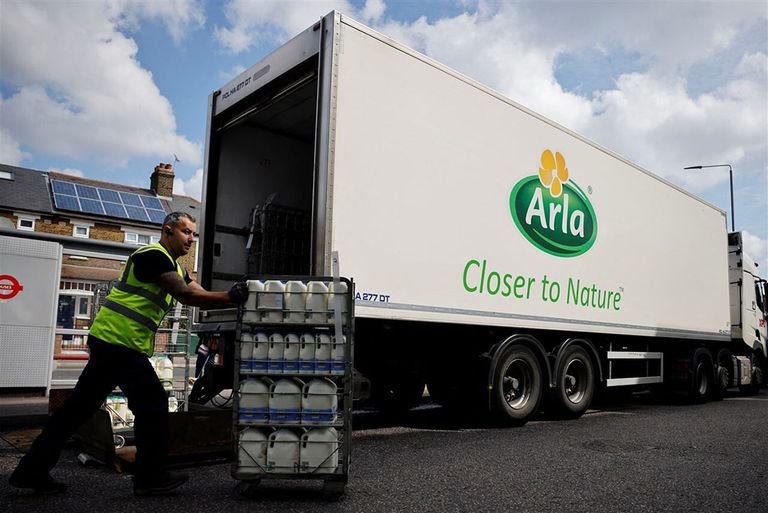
106, 90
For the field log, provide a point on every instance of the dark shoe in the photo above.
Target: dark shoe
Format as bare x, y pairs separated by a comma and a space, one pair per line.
39, 483
159, 484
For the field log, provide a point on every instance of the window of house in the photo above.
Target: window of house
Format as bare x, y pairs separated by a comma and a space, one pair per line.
82, 231
26, 223
140, 239
83, 307
6, 175
80, 296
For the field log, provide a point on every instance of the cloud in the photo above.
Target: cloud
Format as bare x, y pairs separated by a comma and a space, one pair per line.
234, 71
756, 248
252, 23
68, 171
192, 187
100, 104
10, 152
178, 16
653, 121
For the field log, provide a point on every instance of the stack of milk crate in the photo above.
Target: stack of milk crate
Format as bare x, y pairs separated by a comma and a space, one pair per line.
292, 408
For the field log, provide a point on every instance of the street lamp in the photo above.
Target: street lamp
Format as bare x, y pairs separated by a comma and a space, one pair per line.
730, 174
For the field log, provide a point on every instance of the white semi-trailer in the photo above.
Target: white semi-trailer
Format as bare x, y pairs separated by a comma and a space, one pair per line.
499, 258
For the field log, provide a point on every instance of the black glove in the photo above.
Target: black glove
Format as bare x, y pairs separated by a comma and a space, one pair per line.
239, 292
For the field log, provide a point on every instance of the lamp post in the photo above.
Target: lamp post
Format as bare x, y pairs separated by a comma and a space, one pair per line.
730, 174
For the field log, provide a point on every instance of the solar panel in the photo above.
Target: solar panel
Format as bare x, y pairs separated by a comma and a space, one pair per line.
109, 195
98, 200
150, 202
131, 199
157, 216
114, 209
86, 191
66, 202
91, 206
136, 213
63, 188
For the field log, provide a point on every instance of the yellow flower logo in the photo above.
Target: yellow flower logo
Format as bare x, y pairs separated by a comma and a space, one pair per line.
553, 173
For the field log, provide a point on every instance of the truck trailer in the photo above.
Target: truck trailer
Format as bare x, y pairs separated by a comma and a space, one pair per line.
499, 258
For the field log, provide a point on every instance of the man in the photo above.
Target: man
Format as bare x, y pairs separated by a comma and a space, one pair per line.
120, 341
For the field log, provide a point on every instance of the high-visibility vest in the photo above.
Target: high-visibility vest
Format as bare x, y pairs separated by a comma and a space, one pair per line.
133, 309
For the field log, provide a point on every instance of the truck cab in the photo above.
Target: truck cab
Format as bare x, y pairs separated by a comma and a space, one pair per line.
749, 312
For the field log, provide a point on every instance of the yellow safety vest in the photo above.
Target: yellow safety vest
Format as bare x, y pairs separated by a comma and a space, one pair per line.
134, 309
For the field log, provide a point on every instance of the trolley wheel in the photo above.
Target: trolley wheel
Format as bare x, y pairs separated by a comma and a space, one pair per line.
246, 489
333, 490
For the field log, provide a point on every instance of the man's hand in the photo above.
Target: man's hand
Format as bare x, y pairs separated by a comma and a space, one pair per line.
193, 294
239, 292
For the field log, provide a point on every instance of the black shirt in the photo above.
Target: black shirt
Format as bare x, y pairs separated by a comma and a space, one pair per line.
147, 266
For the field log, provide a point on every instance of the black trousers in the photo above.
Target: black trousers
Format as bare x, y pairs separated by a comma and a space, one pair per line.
109, 366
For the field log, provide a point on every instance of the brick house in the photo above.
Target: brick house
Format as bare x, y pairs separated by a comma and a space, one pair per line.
98, 224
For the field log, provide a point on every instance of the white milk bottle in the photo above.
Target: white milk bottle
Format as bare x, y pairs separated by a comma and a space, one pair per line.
323, 354
291, 353
319, 450
129, 418
252, 453
164, 370
307, 353
295, 301
250, 312
246, 351
319, 402
271, 301
285, 401
254, 401
337, 293
337, 354
111, 404
260, 353
276, 353
317, 302
283, 452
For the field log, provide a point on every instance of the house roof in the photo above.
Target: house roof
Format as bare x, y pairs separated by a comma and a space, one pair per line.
26, 191
189, 205
29, 191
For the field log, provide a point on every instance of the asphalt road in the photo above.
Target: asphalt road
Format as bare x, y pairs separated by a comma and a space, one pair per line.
640, 455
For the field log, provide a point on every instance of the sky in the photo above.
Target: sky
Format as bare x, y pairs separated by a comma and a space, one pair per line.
108, 89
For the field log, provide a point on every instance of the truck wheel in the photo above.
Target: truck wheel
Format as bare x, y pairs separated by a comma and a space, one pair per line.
701, 380
575, 383
722, 374
517, 386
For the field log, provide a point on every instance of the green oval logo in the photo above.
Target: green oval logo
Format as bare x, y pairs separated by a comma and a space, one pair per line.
558, 220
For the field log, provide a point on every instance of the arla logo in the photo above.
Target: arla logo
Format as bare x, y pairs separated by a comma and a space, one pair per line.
552, 212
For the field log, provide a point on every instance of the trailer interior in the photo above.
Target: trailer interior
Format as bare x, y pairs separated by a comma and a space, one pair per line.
262, 154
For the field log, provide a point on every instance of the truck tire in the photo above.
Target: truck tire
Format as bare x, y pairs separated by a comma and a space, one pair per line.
722, 374
575, 383
517, 386
701, 379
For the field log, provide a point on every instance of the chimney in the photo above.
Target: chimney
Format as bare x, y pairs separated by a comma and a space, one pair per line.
161, 181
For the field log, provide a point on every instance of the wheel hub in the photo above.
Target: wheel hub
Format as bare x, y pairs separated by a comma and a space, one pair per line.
516, 384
